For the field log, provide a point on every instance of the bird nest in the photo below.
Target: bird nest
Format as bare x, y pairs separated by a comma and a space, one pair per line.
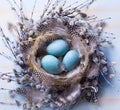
77, 28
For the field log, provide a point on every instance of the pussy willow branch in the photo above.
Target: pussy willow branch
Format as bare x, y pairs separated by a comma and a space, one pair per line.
33, 9
13, 8
8, 42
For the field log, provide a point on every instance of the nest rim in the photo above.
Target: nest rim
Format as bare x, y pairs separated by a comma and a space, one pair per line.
76, 73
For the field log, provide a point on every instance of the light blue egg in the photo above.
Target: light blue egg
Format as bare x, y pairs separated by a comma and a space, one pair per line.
58, 48
51, 64
71, 60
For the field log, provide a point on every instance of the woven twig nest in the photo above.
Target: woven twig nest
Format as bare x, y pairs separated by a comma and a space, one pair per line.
81, 32
67, 81
68, 78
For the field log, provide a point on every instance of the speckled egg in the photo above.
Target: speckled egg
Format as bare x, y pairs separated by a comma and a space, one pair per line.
71, 60
57, 48
51, 64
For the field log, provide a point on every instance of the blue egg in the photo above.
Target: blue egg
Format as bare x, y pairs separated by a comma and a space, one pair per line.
58, 48
71, 60
51, 64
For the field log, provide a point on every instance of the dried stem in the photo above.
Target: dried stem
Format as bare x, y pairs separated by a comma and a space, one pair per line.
6, 89
70, 5
46, 8
106, 78
8, 42
33, 9
87, 4
13, 8
54, 6
8, 78
6, 56
4, 103
21, 11
16, 4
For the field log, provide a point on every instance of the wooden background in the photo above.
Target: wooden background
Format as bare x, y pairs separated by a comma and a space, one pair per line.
101, 8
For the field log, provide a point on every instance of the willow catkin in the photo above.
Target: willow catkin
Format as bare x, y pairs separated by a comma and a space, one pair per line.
58, 21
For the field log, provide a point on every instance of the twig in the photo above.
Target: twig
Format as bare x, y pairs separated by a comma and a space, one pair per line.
13, 8
90, 87
106, 78
87, 4
71, 5
7, 57
46, 8
7, 41
6, 74
33, 9
4, 103
21, 11
54, 6
16, 4
6, 89
8, 79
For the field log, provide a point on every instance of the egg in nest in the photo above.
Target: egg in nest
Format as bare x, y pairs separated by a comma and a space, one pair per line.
70, 30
